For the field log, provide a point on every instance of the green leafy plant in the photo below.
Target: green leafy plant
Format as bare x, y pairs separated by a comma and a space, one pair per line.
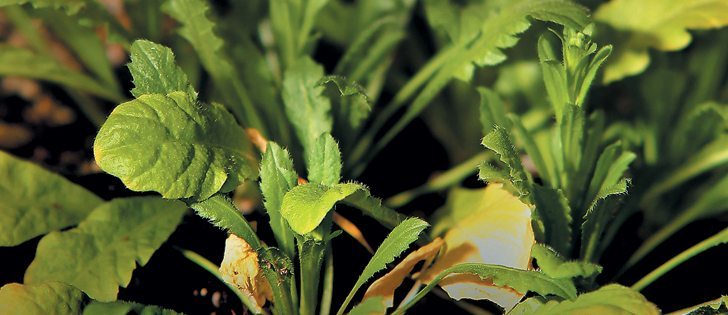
236, 102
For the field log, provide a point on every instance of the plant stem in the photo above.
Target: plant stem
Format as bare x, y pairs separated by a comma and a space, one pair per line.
197, 259
440, 182
326, 296
715, 240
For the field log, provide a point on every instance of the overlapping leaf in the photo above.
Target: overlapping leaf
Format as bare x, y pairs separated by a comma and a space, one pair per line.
174, 145
100, 254
36, 201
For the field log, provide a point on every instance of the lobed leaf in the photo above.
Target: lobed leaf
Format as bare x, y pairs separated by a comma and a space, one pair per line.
154, 70
98, 259
42, 298
36, 201
175, 146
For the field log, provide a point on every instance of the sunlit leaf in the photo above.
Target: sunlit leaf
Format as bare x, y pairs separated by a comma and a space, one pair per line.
154, 70
323, 161
174, 145
305, 206
658, 24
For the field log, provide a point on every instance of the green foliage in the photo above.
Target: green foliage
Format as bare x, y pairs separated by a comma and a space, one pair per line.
307, 109
555, 266
609, 299
112, 254
57, 202
155, 72
306, 206
658, 24
223, 214
324, 161
124, 308
396, 242
41, 298
277, 177
520, 280
174, 145
25, 63
198, 30
374, 305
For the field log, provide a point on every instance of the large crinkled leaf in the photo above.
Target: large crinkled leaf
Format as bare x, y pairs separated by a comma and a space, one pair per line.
42, 298
659, 24
323, 161
384, 287
34, 201
25, 63
555, 266
489, 226
240, 268
306, 206
100, 254
306, 107
154, 70
396, 242
174, 145
124, 308
277, 177
610, 299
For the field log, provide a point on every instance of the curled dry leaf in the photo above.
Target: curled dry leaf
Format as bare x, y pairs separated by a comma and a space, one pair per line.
496, 230
240, 268
351, 229
386, 285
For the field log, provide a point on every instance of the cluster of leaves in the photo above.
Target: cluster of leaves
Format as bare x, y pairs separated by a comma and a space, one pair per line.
564, 164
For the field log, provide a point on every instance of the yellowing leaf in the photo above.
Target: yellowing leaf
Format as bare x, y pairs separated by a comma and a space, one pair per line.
240, 268
385, 286
491, 226
659, 24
